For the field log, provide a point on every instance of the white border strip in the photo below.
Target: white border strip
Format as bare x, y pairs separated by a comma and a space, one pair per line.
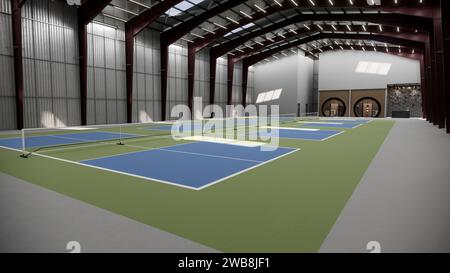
159, 180
293, 129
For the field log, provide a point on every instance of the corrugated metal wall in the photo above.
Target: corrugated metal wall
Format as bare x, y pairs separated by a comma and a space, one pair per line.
51, 71
106, 101
51, 81
221, 83
7, 101
146, 79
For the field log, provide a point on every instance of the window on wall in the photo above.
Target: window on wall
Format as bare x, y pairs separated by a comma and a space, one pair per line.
269, 96
373, 68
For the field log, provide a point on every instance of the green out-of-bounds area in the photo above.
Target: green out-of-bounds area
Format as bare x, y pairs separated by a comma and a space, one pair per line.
287, 205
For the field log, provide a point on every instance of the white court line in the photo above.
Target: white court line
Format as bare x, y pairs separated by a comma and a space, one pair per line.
159, 180
226, 141
331, 123
174, 151
293, 129
216, 156
246, 170
144, 149
327, 138
128, 140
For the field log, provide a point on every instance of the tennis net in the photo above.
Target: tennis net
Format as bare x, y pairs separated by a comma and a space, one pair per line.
36, 139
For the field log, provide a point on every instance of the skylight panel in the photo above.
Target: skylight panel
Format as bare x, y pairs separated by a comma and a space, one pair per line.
276, 94
260, 97
240, 29
373, 68
182, 6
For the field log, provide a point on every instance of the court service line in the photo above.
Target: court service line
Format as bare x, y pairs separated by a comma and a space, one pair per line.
246, 170
341, 132
159, 180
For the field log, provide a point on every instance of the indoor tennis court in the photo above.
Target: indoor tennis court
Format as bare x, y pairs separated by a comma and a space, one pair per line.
205, 126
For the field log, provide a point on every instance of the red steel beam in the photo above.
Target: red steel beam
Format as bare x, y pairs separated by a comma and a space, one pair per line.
423, 87
230, 71
133, 28
445, 15
86, 13
375, 37
16, 18
439, 70
429, 83
251, 60
393, 20
178, 31
212, 80
402, 20
219, 50
244, 86
391, 50
191, 66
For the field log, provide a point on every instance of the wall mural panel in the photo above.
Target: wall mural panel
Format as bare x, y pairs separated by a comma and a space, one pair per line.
405, 98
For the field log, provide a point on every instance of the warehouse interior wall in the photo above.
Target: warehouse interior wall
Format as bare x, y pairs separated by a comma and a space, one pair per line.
51, 70
293, 74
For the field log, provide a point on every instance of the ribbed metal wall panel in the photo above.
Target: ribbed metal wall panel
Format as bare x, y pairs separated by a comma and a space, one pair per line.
51, 72
7, 76
7, 108
7, 94
6, 35
106, 75
5, 6
51, 81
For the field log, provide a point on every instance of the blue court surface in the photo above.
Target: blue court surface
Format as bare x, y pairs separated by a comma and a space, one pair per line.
333, 124
279, 132
294, 133
198, 164
347, 120
208, 124
61, 139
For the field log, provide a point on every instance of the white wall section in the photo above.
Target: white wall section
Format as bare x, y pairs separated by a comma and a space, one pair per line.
294, 74
337, 70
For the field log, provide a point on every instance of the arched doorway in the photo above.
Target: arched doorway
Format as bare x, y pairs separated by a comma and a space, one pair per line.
333, 107
367, 107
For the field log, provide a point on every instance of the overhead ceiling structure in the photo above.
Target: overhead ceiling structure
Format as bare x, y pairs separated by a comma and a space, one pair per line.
254, 30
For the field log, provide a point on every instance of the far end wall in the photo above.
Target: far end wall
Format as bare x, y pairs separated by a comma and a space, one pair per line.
337, 70
294, 74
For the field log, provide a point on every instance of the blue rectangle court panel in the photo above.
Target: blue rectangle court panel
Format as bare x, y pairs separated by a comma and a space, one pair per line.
332, 124
293, 133
193, 165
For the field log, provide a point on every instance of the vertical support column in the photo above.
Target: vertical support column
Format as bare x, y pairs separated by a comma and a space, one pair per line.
429, 84
82, 47
164, 67
191, 77
244, 84
439, 68
86, 13
18, 65
423, 87
349, 102
230, 70
445, 16
212, 79
129, 61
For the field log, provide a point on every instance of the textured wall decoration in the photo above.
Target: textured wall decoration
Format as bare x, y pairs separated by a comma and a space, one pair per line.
405, 97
